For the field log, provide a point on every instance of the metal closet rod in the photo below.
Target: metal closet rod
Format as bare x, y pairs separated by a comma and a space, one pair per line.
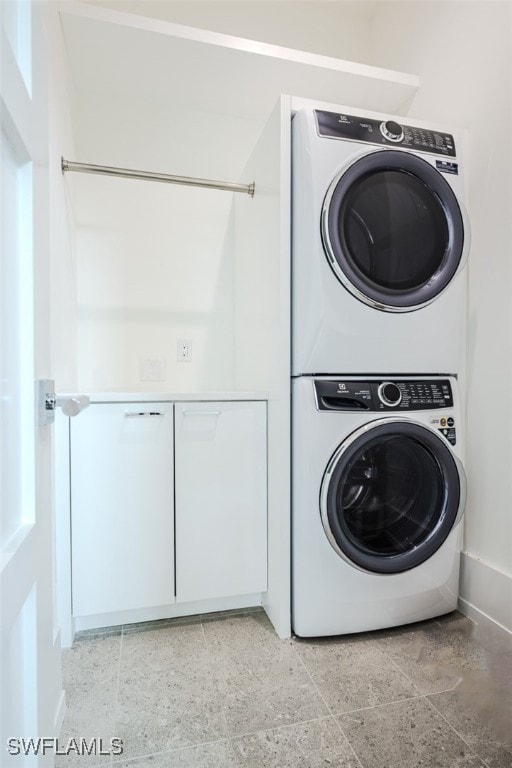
127, 173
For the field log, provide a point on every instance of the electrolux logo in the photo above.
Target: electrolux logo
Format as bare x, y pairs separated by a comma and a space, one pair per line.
79, 746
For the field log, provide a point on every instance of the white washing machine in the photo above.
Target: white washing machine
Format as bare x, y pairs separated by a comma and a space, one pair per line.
378, 493
379, 242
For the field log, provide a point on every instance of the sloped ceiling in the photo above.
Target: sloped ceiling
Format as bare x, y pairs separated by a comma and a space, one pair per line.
339, 28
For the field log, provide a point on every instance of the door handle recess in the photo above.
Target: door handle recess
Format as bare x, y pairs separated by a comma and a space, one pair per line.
130, 414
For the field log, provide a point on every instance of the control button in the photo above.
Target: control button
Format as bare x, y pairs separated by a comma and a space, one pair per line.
451, 421
389, 393
443, 422
391, 130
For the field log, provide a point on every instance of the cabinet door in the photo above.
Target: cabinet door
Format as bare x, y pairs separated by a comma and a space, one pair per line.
122, 516
221, 499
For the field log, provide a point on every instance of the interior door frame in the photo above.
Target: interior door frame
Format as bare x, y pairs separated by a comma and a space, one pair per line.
30, 644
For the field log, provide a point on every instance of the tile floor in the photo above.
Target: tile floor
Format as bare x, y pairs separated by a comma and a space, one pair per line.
222, 691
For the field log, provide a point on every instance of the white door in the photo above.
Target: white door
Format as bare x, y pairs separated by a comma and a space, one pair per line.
30, 657
221, 499
122, 526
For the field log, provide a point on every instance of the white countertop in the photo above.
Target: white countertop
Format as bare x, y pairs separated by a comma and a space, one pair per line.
165, 397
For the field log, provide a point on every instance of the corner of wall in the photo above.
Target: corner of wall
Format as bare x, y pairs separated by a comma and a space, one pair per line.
485, 592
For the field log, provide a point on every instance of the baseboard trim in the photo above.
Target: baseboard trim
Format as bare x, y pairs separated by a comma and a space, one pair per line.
479, 617
177, 610
485, 594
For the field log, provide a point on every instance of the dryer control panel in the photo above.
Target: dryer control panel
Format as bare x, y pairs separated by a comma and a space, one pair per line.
383, 395
388, 132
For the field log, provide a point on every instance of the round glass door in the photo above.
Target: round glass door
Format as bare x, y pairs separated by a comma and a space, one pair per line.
393, 230
390, 496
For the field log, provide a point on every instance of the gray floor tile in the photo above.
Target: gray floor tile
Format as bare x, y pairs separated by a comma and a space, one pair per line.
184, 689
89, 711
91, 663
73, 732
496, 645
481, 712
168, 693
90, 675
495, 640
167, 646
247, 648
406, 734
235, 635
218, 755
352, 673
182, 724
262, 703
163, 690
237, 661
316, 744
81, 761
167, 707
84, 761
262, 681
435, 655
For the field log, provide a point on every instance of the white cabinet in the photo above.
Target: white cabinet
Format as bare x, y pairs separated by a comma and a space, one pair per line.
221, 499
168, 505
122, 497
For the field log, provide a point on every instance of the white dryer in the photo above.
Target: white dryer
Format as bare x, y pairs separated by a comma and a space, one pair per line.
378, 493
379, 242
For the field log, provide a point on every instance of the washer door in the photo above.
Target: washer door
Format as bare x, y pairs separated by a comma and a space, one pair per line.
393, 230
390, 495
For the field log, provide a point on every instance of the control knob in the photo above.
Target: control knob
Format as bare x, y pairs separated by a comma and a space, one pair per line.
391, 130
389, 393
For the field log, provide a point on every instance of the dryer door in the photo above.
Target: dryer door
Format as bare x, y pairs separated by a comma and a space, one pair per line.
390, 496
393, 230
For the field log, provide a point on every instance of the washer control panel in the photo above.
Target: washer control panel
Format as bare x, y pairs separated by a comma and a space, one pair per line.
384, 395
396, 396
340, 126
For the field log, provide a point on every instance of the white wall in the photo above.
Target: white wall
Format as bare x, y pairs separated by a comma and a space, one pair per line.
262, 313
155, 261
338, 29
461, 51
155, 264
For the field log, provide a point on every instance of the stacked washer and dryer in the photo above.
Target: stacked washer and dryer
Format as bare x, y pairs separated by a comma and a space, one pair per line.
379, 244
